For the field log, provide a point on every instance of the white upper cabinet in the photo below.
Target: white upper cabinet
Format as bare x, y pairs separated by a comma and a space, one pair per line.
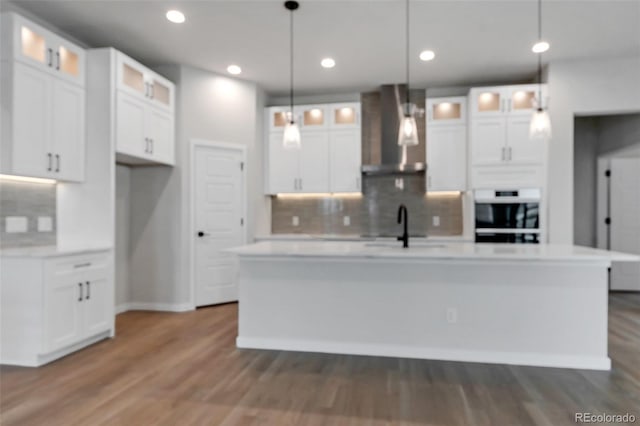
446, 144
345, 160
314, 162
138, 80
145, 121
284, 166
43, 103
499, 142
329, 159
33, 45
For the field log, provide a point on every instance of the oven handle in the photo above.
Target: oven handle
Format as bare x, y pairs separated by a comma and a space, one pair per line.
506, 200
507, 230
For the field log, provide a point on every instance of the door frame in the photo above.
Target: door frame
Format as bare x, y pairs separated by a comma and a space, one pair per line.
196, 143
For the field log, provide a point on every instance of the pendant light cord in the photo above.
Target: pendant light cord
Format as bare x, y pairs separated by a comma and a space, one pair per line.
291, 64
539, 55
407, 53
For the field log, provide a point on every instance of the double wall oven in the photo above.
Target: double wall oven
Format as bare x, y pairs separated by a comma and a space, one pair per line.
507, 216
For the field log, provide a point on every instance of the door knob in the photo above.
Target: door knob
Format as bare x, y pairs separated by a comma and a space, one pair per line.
202, 234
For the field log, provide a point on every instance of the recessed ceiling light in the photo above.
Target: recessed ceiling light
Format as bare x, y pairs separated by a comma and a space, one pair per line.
234, 69
539, 47
328, 63
427, 55
176, 16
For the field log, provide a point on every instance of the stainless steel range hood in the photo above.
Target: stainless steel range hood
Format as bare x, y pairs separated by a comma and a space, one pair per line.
393, 158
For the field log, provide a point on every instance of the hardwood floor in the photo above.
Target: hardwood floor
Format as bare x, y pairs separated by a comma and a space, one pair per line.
183, 369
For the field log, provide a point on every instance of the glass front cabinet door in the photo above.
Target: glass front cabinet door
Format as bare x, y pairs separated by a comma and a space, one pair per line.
40, 48
447, 111
345, 115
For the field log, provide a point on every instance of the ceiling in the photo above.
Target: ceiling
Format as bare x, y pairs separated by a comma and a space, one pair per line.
476, 41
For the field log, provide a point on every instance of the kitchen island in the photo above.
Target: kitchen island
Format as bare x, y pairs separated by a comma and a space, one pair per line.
540, 305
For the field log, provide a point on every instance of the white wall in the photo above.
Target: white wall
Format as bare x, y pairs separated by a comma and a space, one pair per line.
618, 132
586, 87
210, 107
123, 206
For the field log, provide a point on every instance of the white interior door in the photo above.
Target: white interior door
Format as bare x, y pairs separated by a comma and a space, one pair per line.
219, 191
625, 227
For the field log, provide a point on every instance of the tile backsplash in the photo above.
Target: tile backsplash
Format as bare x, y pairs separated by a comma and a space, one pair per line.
31, 201
374, 213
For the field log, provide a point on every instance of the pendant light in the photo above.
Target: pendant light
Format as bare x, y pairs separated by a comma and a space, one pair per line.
291, 139
540, 126
408, 131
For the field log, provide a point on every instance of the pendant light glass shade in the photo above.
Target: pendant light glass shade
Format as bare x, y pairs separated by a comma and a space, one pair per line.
540, 127
291, 139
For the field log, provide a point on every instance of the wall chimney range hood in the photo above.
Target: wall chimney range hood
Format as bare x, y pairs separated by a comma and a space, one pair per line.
393, 158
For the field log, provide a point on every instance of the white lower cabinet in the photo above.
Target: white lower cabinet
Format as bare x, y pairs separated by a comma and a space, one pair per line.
52, 306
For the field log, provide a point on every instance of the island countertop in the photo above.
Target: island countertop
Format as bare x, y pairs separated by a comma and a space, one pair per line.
431, 251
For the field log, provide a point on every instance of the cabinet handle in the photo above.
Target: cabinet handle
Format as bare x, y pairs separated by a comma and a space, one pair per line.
510, 154
146, 89
300, 184
88, 291
509, 105
502, 155
50, 164
58, 61
49, 57
80, 297
82, 265
146, 145
151, 90
57, 163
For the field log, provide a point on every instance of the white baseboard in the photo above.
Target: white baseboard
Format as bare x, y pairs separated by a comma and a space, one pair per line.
442, 354
162, 307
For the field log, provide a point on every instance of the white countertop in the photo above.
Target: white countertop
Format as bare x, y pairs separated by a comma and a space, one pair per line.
356, 238
430, 250
51, 251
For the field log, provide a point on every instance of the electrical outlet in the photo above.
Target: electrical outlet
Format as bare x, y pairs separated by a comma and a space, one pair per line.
436, 221
295, 221
346, 221
45, 224
13, 224
452, 315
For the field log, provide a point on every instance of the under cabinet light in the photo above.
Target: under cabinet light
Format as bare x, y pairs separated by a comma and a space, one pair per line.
322, 195
27, 179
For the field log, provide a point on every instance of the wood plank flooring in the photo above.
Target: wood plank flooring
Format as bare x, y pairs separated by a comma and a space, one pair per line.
184, 369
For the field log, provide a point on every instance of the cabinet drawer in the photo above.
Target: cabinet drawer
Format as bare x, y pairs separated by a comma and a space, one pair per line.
76, 264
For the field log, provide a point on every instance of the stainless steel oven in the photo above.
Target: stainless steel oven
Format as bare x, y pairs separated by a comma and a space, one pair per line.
507, 216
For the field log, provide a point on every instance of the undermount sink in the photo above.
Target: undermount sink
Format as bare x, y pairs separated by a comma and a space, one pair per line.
398, 244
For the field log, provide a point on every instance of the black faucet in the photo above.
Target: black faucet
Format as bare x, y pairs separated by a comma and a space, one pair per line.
405, 235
